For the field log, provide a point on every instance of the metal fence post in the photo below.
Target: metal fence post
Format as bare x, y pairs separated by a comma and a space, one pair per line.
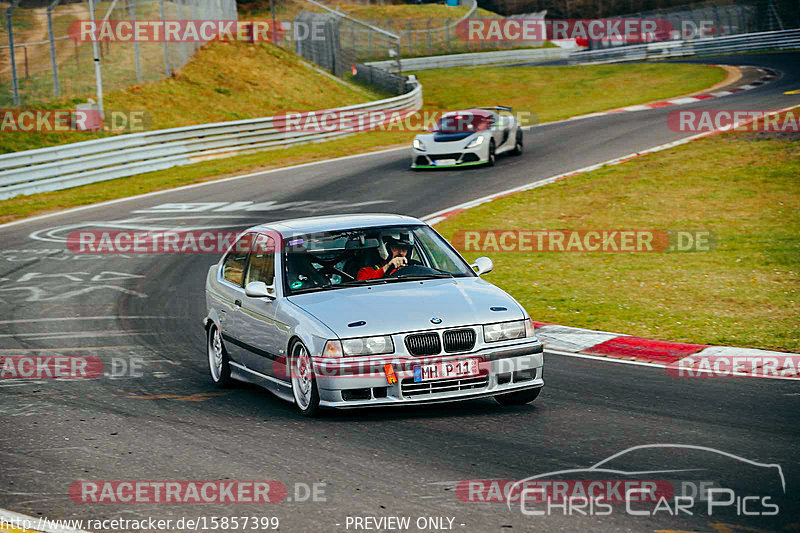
430, 50
10, 27
132, 11
98, 72
167, 67
369, 37
51, 36
410, 42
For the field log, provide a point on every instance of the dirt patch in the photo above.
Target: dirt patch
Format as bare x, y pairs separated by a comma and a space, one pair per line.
33, 42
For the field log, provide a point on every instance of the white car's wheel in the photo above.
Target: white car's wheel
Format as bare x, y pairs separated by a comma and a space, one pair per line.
218, 365
492, 156
304, 385
517, 144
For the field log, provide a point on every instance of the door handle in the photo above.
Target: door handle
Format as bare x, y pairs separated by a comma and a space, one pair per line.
237, 303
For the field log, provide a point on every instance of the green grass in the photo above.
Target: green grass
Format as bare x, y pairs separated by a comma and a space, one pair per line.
741, 186
174, 103
554, 93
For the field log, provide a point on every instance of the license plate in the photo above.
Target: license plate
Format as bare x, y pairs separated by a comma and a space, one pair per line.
449, 369
444, 162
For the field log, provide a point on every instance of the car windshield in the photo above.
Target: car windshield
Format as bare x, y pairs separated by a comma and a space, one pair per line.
333, 260
463, 122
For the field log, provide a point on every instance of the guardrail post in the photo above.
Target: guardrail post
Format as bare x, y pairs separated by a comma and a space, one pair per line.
51, 36
13, 56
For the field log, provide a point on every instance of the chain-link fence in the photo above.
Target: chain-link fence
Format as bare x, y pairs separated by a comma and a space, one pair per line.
715, 19
337, 40
42, 54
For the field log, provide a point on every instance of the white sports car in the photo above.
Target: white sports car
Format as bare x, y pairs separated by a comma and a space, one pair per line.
468, 137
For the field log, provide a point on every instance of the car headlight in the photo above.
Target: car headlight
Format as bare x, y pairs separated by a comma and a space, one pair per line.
368, 345
418, 145
477, 141
504, 331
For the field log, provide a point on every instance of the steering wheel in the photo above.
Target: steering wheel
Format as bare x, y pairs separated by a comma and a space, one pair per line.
411, 270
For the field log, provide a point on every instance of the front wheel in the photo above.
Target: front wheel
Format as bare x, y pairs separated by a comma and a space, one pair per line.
517, 144
218, 365
304, 386
518, 398
492, 156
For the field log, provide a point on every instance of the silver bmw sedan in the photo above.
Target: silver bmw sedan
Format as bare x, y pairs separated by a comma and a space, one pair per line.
365, 310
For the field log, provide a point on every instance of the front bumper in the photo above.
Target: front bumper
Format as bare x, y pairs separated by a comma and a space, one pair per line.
363, 383
461, 158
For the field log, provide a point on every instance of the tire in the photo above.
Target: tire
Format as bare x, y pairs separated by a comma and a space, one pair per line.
218, 366
492, 157
518, 144
304, 385
518, 398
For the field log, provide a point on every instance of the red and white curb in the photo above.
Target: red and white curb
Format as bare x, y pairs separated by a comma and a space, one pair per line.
768, 75
691, 360
621, 348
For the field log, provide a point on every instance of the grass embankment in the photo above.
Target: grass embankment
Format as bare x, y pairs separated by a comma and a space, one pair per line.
262, 80
192, 98
741, 186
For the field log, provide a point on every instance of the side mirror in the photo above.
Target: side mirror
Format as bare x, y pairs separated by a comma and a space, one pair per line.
482, 265
259, 289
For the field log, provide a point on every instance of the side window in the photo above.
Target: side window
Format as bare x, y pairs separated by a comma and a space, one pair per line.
435, 252
262, 261
236, 260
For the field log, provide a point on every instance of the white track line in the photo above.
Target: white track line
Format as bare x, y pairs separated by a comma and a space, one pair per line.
196, 185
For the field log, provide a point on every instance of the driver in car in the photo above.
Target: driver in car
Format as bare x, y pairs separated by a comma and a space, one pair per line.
399, 250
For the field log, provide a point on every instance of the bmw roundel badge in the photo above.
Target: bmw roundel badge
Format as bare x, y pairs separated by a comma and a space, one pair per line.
436, 320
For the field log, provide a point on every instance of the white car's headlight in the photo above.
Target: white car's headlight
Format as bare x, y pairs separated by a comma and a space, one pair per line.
504, 331
418, 145
477, 141
368, 345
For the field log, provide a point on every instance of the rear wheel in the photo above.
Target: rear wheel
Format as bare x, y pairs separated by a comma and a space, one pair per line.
218, 365
518, 144
518, 398
492, 157
304, 386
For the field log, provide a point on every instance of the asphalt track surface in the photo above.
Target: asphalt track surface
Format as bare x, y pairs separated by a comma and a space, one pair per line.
170, 423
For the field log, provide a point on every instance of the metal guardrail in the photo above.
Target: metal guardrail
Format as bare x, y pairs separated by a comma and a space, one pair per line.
520, 55
70, 165
770, 40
